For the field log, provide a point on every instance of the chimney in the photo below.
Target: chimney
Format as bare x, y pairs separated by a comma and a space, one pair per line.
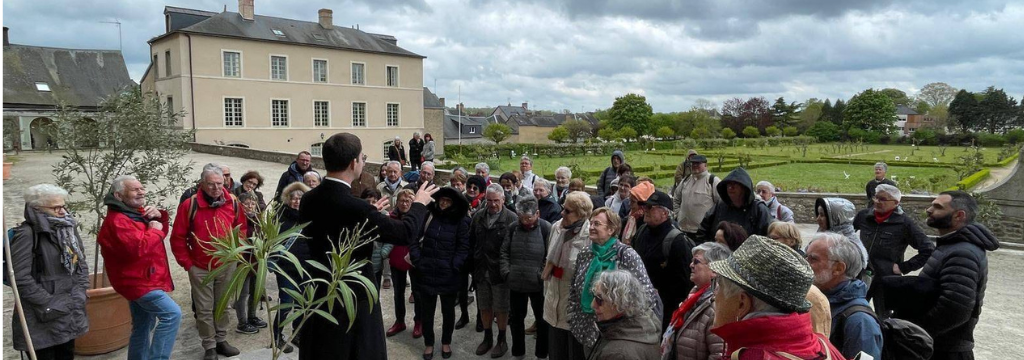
442, 102
245, 8
7, 40
326, 18
461, 108
524, 107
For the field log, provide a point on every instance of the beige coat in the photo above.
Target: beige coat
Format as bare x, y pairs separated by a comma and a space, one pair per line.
556, 291
392, 196
692, 199
821, 312
694, 341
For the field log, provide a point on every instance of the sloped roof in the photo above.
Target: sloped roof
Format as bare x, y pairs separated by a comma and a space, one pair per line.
261, 28
515, 121
506, 111
451, 126
430, 100
905, 110
80, 78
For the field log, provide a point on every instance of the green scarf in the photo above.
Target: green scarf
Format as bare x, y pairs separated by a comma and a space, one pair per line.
604, 259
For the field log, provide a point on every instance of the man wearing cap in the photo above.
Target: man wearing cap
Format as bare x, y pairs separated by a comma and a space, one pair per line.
684, 169
695, 195
737, 206
637, 195
665, 251
760, 307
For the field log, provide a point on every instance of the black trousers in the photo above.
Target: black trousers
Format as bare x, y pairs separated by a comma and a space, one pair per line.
564, 346
964, 355
57, 352
464, 293
517, 303
426, 305
398, 284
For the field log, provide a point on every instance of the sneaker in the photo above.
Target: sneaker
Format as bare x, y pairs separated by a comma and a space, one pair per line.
210, 354
395, 329
226, 349
284, 346
499, 350
247, 329
257, 322
417, 330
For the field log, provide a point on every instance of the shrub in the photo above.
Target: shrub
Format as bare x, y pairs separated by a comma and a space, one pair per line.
1015, 136
772, 131
751, 132
857, 134
728, 133
824, 131
790, 131
665, 132
990, 140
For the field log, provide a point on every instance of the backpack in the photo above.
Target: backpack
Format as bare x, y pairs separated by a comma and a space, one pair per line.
901, 339
8, 239
670, 239
411, 177
194, 207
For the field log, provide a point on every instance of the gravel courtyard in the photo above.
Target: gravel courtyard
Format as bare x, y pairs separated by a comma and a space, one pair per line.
996, 336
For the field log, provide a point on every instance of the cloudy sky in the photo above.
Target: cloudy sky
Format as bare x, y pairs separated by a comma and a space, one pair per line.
581, 54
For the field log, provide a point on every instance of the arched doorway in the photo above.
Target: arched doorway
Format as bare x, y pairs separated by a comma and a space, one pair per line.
38, 132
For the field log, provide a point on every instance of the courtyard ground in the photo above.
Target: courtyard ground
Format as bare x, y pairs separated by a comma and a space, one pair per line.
996, 335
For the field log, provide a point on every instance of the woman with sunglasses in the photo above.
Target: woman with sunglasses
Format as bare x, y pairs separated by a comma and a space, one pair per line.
689, 334
605, 253
628, 331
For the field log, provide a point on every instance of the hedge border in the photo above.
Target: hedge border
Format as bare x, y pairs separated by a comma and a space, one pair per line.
971, 181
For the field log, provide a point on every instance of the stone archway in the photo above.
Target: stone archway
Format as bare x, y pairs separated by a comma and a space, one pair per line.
40, 138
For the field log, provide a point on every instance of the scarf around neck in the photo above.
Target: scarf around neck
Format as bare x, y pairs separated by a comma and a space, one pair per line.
70, 253
680, 315
114, 204
604, 259
881, 217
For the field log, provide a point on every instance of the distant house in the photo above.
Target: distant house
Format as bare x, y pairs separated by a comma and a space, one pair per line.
272, 83
504, 112
465, 129
37, 79
908, 120
533, 129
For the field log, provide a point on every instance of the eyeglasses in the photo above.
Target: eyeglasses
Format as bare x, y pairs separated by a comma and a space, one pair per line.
599, 299
55, 209
696, 262
227, 174
878, 199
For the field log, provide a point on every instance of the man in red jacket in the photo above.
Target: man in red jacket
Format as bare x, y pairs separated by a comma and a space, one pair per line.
132, 243
212, 211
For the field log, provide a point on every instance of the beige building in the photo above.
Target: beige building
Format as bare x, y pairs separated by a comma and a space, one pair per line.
286, 85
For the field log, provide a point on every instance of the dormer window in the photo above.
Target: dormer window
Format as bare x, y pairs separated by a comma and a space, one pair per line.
42, 86
277, 32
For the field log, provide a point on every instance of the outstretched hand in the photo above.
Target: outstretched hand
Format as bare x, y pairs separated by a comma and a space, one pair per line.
383, 204
425, 194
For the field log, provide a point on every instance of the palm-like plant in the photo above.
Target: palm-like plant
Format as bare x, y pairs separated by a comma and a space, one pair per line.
262, 253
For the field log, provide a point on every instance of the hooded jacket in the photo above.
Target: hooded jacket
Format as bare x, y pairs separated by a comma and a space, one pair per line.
839, 213
133, 253
444, 247
604, 183
293, 174
960, 266
54, 300
627, 338
752, 216
860, 331
550, 209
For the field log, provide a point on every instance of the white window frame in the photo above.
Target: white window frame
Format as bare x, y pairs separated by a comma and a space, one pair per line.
352, 73
316, 150
354, 114
327, 70
240, 63
387, 77
224, 113
398, 114
272, 56
472, 129
287, 113
42, 86
328, 123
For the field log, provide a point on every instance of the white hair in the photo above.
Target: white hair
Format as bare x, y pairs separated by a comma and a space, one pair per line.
891, 190
842, 249
210, 169
483, 166
624, 291
765, 184
36, 195
564, 170
527, 158
428, 163
393, 162
541, 181
311, 173
497, 189
713, 251
119, 182
882, 165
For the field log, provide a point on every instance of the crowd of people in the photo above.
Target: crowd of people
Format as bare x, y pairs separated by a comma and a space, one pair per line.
713, 268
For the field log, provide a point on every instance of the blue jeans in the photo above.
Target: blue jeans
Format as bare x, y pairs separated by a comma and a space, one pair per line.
155, 309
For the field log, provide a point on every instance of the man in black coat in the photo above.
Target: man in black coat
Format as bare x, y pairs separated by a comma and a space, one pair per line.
302, 164
960, 267
669, 273
737, 206
415, 151
330, 209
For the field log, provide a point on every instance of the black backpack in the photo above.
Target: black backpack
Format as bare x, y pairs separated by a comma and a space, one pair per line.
901, 339
9, 238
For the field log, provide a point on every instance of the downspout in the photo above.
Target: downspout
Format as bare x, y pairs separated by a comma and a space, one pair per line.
191, 87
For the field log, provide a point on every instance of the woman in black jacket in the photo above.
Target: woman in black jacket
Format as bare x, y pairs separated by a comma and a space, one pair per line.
288, 215
437, 258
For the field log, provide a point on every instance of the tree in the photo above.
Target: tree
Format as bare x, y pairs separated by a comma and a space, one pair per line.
937, 93
870, 110
997, 110
899, 97
751, 132
757, 113
700, 133
631, 110
826, 112
577, 130
772, 131
922, 107
837, 112
811, 113
728, 133
706, 106
559, 134
695, 119
132, 134
497, 132
964, 112
940, 115
628, 133
665, 132
784, 114
824, 131
790, 131
662, 119
608, 134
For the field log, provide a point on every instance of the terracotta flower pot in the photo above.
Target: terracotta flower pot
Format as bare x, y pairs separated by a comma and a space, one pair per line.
7, 170
110, 320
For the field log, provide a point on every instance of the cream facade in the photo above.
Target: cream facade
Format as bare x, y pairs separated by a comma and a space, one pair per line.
282, 96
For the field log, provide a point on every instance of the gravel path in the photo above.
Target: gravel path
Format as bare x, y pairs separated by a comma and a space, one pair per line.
996, 335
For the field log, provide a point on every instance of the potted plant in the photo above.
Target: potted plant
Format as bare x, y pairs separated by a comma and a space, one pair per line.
260, 254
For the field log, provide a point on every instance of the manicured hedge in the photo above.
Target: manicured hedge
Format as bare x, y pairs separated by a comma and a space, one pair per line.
971, 181
1008, 160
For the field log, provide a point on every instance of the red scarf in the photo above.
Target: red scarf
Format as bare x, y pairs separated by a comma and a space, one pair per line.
680, 315
476, 201
880, 218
